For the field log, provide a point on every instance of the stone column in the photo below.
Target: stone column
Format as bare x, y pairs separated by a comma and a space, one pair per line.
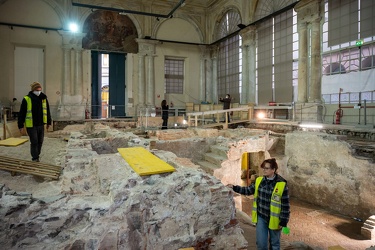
78, 78
214, 96
308, 106
141, 80
203, 93
248, 92
208, 79
65, 86
146, 75
72, 83
150, 83
316, 72
302, 62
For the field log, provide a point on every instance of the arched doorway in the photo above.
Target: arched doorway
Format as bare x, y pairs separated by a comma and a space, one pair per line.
109, 36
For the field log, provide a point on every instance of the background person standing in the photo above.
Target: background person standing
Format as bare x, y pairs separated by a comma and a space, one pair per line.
34, 114
271, 206
164, 114
226, 101
15, 107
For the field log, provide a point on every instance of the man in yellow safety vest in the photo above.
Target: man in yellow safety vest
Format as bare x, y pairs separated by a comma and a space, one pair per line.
34, 114
271, 207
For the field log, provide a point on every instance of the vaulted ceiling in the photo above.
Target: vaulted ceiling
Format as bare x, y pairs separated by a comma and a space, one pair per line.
144, 6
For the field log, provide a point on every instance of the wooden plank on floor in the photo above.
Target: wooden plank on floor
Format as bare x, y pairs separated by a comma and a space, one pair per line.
15, 165
144, 162
12, 142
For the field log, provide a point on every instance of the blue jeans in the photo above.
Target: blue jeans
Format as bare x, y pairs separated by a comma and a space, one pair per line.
262, 232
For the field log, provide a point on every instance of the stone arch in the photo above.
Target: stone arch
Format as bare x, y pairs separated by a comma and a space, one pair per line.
219, 22
162, 30
268, 7
59, 11
109, 31
35, 17
184, 17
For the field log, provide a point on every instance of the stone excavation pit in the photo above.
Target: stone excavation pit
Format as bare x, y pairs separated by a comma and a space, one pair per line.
100, 202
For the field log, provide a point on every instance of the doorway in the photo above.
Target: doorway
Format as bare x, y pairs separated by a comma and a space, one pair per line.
108, 85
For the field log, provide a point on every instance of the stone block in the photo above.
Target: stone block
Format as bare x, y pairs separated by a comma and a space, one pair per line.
368, 228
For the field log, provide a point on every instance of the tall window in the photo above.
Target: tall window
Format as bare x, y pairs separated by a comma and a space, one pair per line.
348, 22
174, 75
230, 57
276, 60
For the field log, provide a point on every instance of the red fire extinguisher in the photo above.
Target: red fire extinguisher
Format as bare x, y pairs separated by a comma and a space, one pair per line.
87, 114
338, 114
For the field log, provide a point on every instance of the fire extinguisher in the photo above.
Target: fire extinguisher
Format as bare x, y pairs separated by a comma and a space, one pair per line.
338, 114
87, 114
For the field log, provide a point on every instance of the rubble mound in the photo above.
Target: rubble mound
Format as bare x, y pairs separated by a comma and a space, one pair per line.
104, 204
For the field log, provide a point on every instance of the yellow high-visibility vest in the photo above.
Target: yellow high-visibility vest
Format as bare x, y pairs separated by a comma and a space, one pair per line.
275, 206
29, 114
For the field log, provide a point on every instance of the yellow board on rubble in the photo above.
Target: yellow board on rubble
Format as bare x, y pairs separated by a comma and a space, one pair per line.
13, 142
336, 248
143, 162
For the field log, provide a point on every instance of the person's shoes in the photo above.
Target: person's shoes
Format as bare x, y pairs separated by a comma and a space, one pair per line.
36, 160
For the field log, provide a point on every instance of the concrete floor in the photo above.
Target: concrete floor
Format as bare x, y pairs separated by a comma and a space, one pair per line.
317, 227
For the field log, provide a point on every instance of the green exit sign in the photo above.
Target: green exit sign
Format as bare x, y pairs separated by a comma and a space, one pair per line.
359, 43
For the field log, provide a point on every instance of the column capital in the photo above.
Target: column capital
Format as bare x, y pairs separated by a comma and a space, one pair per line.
248, 35
205, 51
308, 10
147, 46
71, 40
214, 51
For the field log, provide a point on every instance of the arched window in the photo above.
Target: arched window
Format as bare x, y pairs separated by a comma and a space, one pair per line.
334, 68
228, 24
368, 63
229, 56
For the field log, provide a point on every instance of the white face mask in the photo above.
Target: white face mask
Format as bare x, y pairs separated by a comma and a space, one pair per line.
37, 93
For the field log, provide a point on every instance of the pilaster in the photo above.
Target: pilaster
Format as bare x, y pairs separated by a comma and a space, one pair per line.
309, 16
146, 72
248, 92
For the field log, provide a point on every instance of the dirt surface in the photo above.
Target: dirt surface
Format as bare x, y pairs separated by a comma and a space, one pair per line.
314, 226
317, 227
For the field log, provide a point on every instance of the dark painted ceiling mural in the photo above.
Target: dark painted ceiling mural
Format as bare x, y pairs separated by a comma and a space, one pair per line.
109, 31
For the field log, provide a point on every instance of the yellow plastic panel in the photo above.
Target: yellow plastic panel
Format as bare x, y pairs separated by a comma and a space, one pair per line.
244, 161
12, 142
143, 162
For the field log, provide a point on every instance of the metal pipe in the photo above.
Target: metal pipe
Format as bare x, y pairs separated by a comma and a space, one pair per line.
365, 111
350, 107
90, 6
29, 26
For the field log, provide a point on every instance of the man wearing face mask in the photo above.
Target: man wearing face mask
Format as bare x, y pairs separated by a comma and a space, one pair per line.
34, 114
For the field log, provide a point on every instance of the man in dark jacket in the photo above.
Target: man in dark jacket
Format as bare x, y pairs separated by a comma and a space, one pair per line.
226, 105
164, 114
34, 114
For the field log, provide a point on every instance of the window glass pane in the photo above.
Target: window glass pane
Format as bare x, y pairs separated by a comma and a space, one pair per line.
174, 76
